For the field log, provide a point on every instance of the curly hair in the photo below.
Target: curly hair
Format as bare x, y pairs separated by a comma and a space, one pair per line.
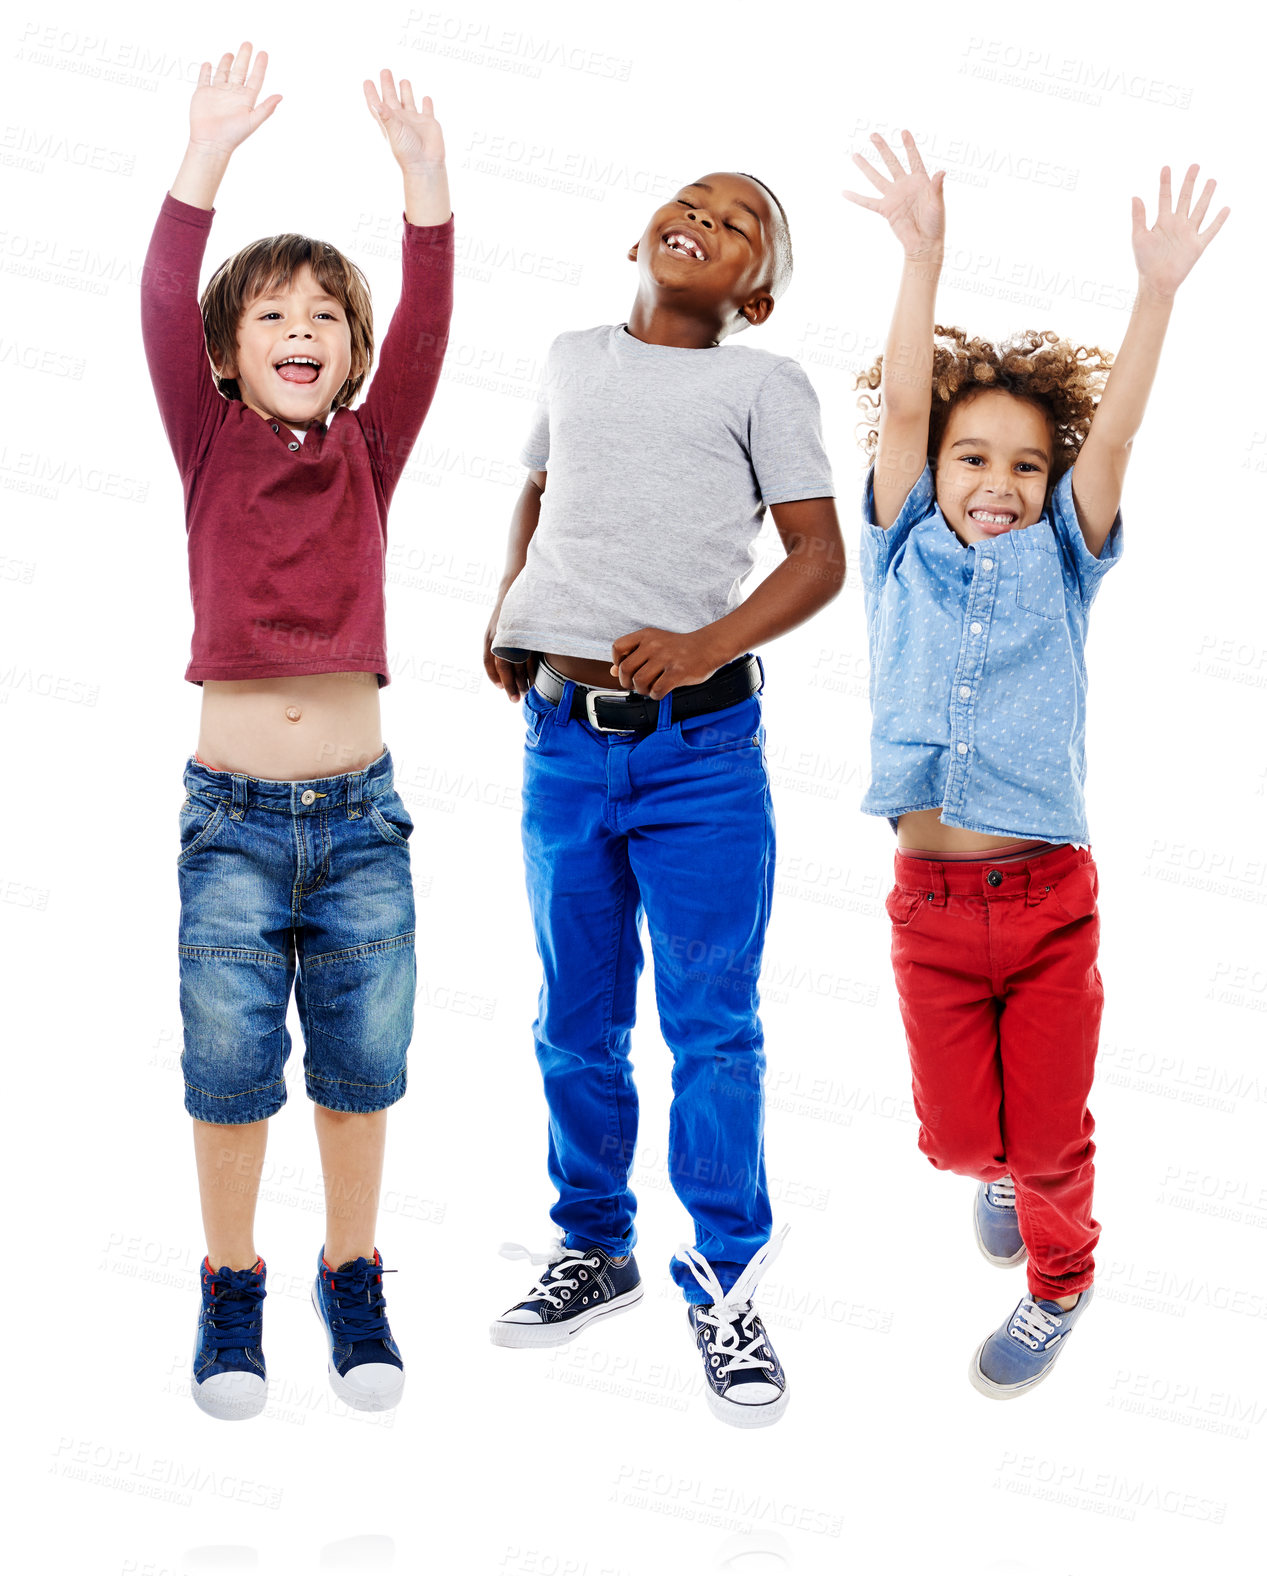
1064, 380
269, 265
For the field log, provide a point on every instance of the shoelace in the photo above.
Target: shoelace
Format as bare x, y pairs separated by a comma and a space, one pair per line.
556, 1285
1032, 1325
358, 1309
1002, 1194
235, 1309
732, 1313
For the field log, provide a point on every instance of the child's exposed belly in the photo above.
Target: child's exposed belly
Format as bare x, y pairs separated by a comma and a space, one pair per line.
313, 725
583, 670
924, 829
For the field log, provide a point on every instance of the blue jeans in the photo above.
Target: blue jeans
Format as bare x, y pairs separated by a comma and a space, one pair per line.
304, 884
676, 824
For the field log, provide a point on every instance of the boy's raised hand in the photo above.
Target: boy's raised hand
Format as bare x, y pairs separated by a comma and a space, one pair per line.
223, 112
1165, 254
910, 200
413, 132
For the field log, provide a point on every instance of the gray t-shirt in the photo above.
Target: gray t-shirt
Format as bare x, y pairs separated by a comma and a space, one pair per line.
661, 464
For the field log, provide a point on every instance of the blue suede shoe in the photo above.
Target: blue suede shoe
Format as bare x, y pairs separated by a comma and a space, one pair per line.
578, 1286
1020, 1353
229, 1378
994, 1221
365, 1366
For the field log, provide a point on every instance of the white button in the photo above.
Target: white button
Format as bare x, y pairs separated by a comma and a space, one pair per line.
964, 692
307, 797
962, 748
987, 563
292, 446
975, 628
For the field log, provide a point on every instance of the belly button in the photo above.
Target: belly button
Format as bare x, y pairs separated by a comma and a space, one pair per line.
293, 713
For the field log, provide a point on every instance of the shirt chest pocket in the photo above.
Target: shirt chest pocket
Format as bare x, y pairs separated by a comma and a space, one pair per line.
1040, 587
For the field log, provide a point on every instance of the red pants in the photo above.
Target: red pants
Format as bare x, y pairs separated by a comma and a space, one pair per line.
1001, 998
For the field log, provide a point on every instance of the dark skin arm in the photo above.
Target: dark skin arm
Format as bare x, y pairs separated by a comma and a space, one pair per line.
514, 677
655, 661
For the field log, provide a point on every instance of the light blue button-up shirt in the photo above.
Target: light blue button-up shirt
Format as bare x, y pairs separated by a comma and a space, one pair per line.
978, 668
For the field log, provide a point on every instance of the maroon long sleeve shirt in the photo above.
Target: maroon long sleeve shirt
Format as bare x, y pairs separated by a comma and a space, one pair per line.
287, 540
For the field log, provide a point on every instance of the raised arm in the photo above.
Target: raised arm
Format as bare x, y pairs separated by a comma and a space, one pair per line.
409, 364
417, 145
913, 205
222, 114
1164, 256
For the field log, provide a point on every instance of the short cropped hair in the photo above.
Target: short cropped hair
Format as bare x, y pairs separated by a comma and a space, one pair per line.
781, 262
268, 265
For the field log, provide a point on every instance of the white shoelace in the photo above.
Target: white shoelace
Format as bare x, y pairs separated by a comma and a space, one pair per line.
1031, 1325
555, 1286
733, 1306
1002, 1194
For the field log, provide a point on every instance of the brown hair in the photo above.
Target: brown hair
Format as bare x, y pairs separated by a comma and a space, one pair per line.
1065, 381
268, 265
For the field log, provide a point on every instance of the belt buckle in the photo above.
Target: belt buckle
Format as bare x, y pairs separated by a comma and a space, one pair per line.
592, 695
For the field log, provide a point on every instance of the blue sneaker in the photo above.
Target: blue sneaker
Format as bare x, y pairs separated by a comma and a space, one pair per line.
995, 1223
746, 1385
578, 1286
229, 1379
1020, 1353
366, 1368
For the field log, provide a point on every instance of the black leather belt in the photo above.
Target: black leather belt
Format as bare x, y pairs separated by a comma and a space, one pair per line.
623, 711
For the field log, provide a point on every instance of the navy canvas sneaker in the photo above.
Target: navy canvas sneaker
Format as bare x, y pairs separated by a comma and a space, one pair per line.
578, 1286
365, 1365
1020, 1353
229, 1378
746, 1385
994, 1221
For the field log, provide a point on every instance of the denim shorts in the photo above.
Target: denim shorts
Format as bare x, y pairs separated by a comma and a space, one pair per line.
294, 883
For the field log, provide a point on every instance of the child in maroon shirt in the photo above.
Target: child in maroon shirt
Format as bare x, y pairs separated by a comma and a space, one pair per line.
294, 862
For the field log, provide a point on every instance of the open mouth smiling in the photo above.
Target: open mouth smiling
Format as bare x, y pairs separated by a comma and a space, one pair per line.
685, 244
991, 519
298, 369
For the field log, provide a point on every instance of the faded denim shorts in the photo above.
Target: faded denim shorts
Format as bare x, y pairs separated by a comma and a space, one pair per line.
294, 883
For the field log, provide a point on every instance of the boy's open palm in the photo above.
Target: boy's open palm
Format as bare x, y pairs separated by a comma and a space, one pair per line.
223, 112
1165, 254
413, 132
910, 200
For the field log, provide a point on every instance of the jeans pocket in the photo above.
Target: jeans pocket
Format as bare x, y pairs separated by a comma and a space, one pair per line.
714, 732
389, 818
201, 817
902, 905
1076, 893
535, 711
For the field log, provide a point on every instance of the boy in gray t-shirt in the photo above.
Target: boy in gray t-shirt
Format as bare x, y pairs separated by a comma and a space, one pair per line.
619, 624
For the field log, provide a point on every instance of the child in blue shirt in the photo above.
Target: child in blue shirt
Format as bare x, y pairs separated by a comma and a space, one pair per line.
991, 517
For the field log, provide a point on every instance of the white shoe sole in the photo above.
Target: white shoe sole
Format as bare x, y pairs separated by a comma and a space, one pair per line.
504, 1333
382, 1401
231, 1397
1018, 1257
740, 1416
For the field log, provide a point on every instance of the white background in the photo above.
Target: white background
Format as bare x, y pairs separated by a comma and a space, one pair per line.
566, 125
